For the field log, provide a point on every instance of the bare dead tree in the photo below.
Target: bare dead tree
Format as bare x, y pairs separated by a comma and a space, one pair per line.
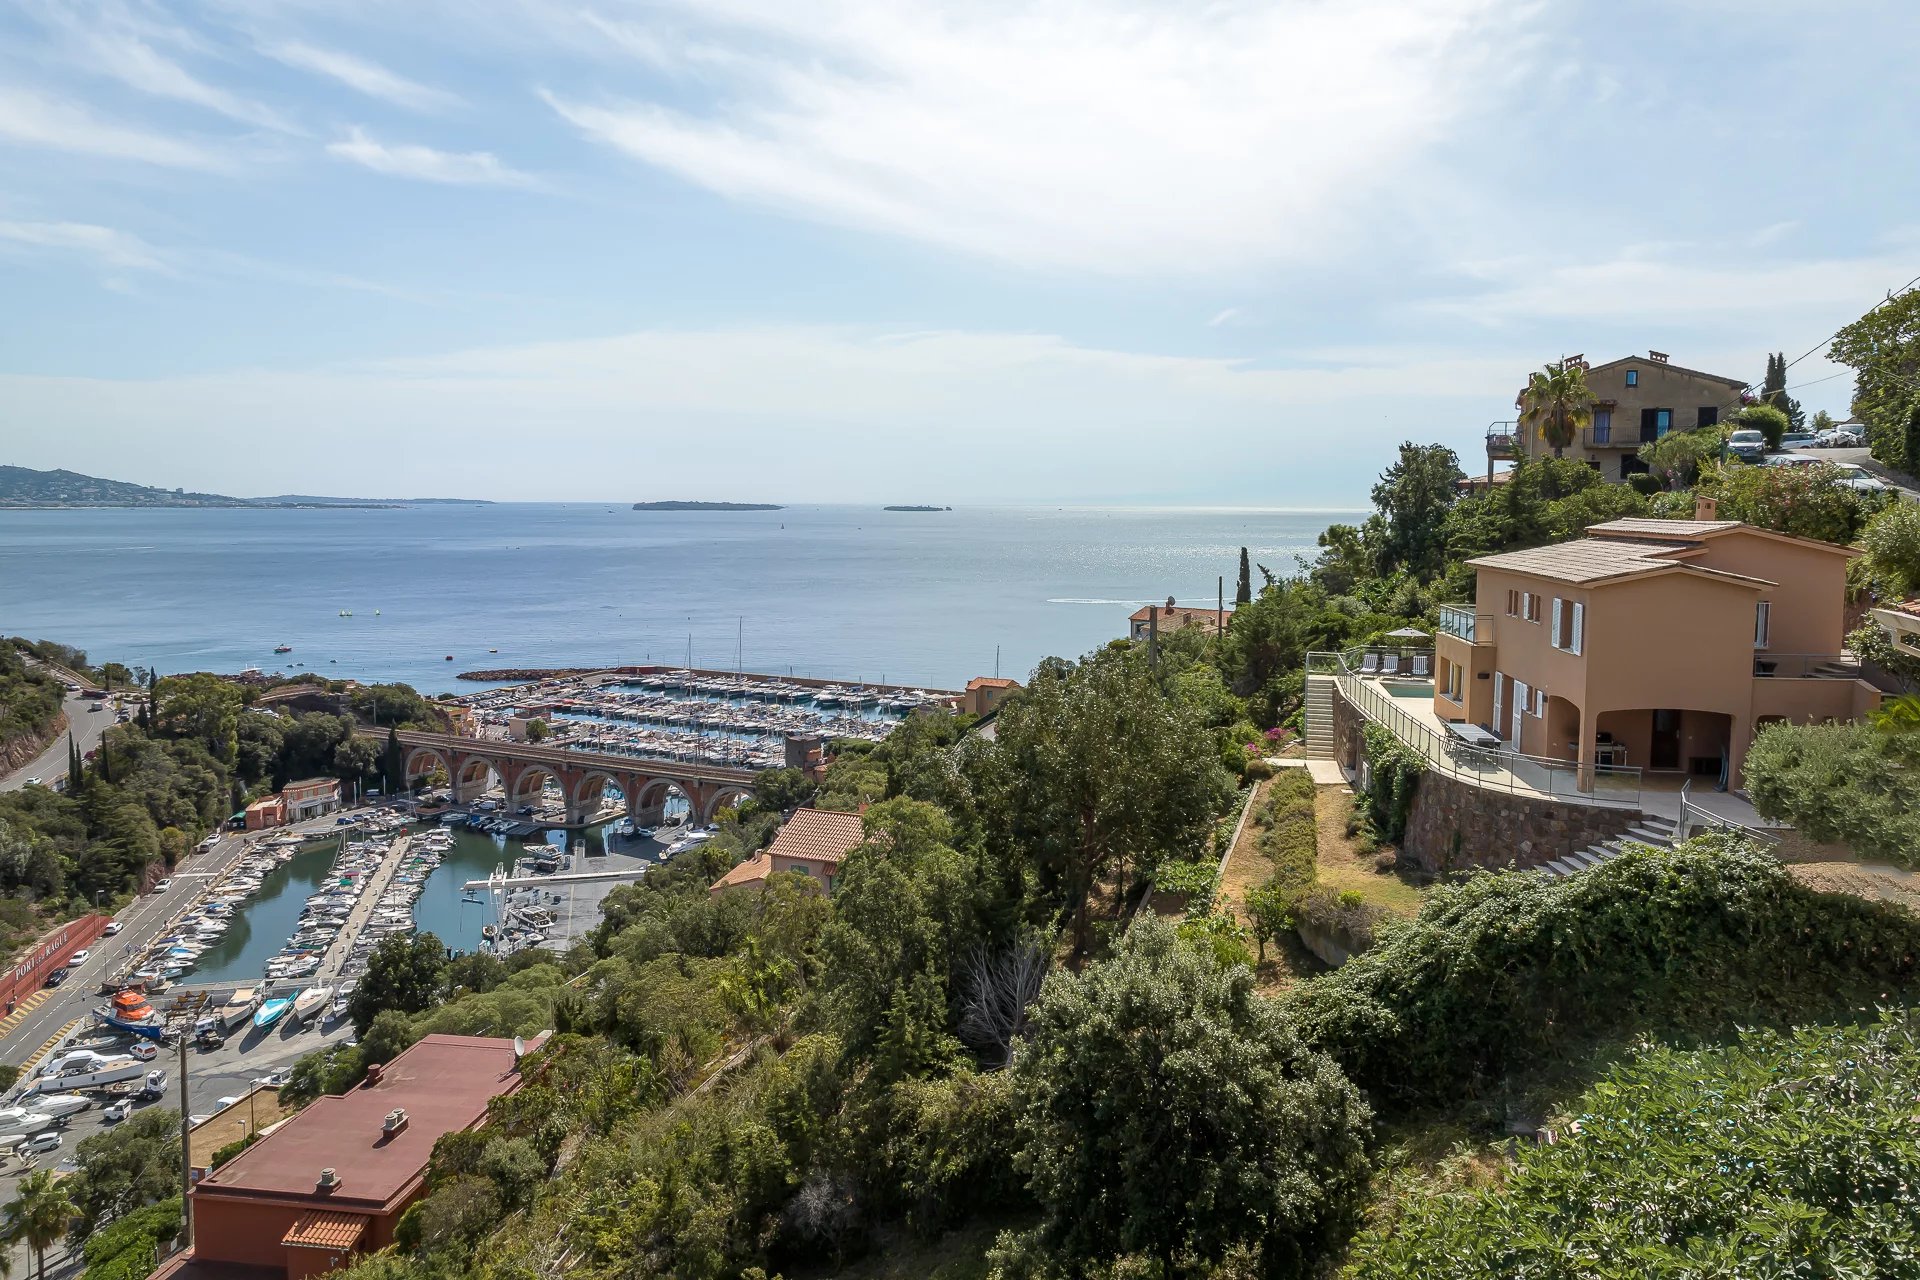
996, 989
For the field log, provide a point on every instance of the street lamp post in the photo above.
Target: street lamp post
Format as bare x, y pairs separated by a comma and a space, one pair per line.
181, 1016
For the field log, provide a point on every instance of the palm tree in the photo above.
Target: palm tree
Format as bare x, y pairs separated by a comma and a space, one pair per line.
39, 1214
1557, 404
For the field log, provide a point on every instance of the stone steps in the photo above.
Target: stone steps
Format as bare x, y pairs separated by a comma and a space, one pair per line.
1317, 717
1648, 829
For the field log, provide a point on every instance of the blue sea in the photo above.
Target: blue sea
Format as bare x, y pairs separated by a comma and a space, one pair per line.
850, 593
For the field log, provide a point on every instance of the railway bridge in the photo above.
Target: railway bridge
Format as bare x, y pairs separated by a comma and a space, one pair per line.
523, 768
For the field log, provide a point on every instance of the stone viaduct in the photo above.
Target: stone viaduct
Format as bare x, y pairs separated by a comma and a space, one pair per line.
522, 770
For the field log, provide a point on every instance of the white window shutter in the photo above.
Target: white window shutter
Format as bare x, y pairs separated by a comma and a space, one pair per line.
1554, 639
1579, 627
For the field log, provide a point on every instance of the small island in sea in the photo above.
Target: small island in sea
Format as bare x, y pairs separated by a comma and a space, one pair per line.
911, 508
708, 506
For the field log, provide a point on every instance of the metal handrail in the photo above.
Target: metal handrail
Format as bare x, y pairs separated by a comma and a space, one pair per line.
1693, 815
1803, 666
1511, 771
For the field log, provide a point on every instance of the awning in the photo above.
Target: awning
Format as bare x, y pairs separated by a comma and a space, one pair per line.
320, 1229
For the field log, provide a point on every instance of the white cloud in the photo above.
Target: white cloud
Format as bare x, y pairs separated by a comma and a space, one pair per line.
1105, 136
109, 39
106, 245
1227, 316
32, 119
407, 160
362, 76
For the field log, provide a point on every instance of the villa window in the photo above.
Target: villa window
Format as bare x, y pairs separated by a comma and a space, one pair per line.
1569, 625
1532, 603
1603, 426
1453, 681
1513, 604
1762, 623
1633, 377
1662, 422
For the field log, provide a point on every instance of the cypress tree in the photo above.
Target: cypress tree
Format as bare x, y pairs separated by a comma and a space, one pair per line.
1243, 594
1774, 391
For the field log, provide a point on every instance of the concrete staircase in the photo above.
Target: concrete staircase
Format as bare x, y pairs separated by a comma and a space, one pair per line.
1318, 717
1647, 829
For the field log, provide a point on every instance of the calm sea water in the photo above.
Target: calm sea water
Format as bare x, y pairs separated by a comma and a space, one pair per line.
840, 592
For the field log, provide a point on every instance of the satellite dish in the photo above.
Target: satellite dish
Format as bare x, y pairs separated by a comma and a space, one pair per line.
519, 1048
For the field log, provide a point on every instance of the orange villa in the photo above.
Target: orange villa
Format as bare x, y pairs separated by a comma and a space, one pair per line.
1173, 617
1659, 645
332, 1182
814, 841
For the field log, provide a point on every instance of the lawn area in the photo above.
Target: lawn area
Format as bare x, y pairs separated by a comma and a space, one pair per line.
1343, 865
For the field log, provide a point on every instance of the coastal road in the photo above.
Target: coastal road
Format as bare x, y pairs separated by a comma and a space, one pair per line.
87, 720
140, 923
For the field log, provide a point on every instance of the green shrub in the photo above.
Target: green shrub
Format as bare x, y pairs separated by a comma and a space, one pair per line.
1504, 972
1645, 484
1289, 837
1347, 916
1783, 1155
1846, 782
1393, 772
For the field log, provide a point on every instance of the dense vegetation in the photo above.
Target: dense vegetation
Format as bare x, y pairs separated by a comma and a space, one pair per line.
1782, 1154
154, 787
29, 706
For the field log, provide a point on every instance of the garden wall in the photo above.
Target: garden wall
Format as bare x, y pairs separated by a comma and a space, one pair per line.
1454, 825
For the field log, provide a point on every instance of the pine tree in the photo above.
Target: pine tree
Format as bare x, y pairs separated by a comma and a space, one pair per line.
1243, 594
1774, 391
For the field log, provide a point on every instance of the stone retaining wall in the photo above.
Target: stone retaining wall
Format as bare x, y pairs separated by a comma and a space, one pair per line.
1455, 825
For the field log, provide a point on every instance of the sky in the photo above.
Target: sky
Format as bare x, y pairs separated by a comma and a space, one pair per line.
1061, 252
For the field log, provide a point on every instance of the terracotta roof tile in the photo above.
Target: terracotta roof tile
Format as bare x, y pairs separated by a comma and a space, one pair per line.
818, 835
752, 871
1639, 527
318, 1229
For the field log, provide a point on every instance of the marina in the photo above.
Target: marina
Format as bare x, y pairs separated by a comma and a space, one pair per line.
739, 720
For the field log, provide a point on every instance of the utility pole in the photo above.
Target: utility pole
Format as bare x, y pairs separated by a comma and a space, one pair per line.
184, 1012
1220, 611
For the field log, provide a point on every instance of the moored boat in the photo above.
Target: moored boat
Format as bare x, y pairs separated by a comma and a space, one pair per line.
129, 1011
271, 1011
239, 1007
310, 1002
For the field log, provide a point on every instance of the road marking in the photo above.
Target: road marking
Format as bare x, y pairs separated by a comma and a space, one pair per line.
21, 1011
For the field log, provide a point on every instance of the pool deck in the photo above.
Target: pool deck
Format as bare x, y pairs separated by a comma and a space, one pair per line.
1659, 792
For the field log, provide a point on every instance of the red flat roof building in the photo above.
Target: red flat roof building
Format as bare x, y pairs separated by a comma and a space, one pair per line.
334, 1180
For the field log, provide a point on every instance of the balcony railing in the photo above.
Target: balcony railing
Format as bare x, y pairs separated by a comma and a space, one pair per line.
1611, 786
1823, 666
1504, 440
1462, 621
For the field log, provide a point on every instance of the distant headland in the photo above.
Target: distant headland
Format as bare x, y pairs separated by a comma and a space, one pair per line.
24, 487
708, 506
916, 508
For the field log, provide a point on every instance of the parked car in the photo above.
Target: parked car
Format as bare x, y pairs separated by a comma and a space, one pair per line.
163, 884
55, 978
1791, 460
144, 1050
1855, 476
1838, 438
113, 927
272, 1080
78, 958
1797, 440
47, 1141
1748, 444
118, 1111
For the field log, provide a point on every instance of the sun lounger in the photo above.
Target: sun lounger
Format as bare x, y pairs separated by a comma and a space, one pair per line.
1420, 664
1370, 665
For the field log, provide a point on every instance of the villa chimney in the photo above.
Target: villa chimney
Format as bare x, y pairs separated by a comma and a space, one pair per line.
374, 1072
1169, 606
328, 1180
1705, 508
396, 1121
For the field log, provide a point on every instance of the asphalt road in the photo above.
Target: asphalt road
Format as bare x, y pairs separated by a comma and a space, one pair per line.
140, 923
86, 725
